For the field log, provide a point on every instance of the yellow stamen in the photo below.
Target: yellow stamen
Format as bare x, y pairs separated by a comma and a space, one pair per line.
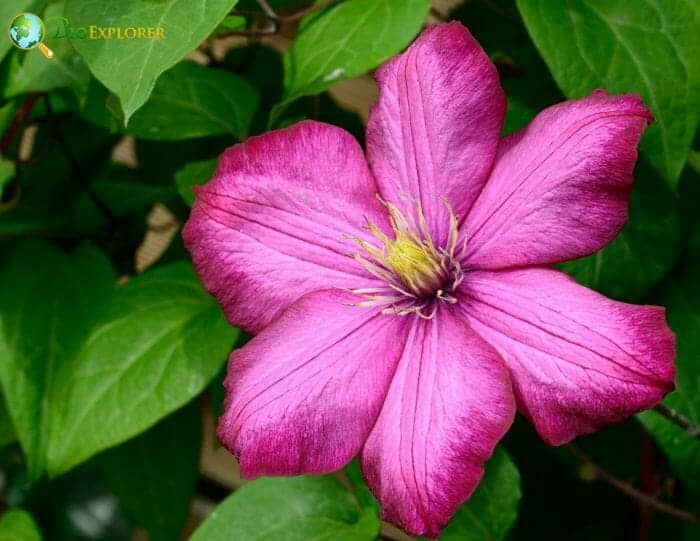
410, 263
413, 263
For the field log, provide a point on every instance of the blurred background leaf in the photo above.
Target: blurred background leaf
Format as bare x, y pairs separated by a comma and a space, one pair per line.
50, 186
680, 293
7, 172
18, 525
154, 475
7, 430
499, 28
646, 248
79, 507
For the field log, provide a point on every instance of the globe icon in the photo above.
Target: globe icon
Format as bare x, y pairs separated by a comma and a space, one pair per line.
26, 31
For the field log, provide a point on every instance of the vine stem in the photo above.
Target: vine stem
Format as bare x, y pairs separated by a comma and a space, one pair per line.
679, 420
631, 491
15, 127
274, 20
292, 17
18, 121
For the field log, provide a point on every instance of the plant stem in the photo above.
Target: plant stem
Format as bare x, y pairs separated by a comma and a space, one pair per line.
267, 9
292, 17
274, 16
631, 491
679, 420
273, 19
18, 121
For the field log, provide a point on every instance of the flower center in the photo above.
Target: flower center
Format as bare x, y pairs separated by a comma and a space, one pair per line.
418, 274
415, 264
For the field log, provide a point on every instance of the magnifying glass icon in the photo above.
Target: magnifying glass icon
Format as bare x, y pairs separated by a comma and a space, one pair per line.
27, 32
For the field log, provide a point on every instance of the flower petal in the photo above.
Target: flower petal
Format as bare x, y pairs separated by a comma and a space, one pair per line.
448, 405
578, 360
433, 134
304, 393
273, 222
560, 186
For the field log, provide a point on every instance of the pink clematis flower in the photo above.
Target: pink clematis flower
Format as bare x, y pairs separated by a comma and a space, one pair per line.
404, 305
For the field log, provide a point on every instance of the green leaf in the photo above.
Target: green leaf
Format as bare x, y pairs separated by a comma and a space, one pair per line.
125, 193
233, 22
154, 475
689, 195
364, 496
493, 508
7, 431
680, 293
193, 174
694, 160
7, 173
130, 67
35, 73
18, 525
191, 101
646, 248
347, 40
7, 114
160, 160
649, 47
157, 343
217, 391
289, 509
96, 108
48, 299
188, 101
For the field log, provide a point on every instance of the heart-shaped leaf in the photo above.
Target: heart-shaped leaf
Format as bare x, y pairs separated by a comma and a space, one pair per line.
129, 67
48, 300
156, 344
